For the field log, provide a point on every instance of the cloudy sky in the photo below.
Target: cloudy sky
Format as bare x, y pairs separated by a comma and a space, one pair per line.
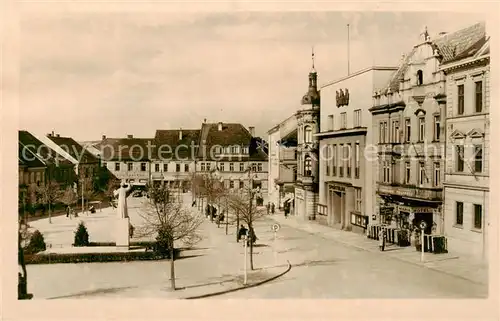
88, 74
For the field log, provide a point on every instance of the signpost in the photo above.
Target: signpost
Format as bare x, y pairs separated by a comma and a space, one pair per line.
423, 226
275, 227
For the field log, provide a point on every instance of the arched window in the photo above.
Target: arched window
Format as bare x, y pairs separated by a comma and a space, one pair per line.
307, 166
420, 78
308, 134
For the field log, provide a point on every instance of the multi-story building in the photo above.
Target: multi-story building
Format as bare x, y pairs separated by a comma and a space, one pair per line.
467, 134
283, 161
174, 157
31, 173
128, 158
407, 115
306, 185
346, 178
232, 150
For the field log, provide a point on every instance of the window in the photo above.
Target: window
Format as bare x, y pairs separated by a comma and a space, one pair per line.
421, 129
242, 167
459, 217
165, 167
38, 177
386, 171
259, 167
208, 167
421, 173
395, 131
117, 166
358, 199
143, 167
478, 158
233, 150
307, 166
222, 167
242, 184
407, 173
479, 96
203, 167
420, 78
334, 160
348, 159
231, 167
460, 100
330, 123
437, 174
130, 166
407, 129
341, 167
437, 127
383, 135
307, 134
356, 160
357, 118
327, 159
186, 167
157, 167
343, 120
459, 155
294, 174
254, 167
231, 184
478, 216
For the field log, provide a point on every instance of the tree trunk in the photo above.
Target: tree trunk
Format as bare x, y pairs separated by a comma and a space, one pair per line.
172, 267
251, 249
237, 226
50, 214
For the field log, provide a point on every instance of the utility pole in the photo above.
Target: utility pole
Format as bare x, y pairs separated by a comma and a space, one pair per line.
348, 51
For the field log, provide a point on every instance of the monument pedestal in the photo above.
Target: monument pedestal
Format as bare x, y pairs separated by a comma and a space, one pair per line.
122, 232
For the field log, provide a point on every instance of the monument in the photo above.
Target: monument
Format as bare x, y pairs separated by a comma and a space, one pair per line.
122, 220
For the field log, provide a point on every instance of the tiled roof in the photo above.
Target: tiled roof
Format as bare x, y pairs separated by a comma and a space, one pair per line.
27, 158
40, 149
457, 43
126, 149
69, 145
182, 148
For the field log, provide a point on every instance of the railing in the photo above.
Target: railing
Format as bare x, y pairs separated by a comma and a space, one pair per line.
410, 191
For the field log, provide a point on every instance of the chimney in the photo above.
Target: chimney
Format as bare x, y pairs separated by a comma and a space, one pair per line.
251, 129
103, 137
180, 134
130, 136
219, 126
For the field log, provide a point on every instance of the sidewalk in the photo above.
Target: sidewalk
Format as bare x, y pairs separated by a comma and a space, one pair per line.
449, 263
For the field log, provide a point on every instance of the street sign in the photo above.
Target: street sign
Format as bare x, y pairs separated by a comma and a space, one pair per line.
275, 227
423, 225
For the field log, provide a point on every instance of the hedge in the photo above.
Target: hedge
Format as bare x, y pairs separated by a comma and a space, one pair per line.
95, 257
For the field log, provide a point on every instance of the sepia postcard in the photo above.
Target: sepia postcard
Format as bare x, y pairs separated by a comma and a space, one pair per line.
232, 160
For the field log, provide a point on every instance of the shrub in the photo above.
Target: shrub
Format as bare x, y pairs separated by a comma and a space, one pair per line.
37, 243
161, 246
81, 235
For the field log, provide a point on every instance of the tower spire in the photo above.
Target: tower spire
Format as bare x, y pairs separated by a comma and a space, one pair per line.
312, 58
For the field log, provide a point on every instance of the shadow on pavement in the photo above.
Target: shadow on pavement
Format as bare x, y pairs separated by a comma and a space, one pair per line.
315, 263
93, 292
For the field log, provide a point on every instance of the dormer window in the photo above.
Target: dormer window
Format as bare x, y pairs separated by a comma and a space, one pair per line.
420, 78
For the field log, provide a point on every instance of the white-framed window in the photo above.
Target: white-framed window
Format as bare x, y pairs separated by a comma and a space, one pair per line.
343, 120
395, 131
341, 162
331, 124
478, 97
478, 216
421, 129
437, 174
231, 184
259, 167
407, 130
459, 213
117, 166
254, 167
242, 167
357, 118
358, 199
348, 159
165, 167
460, 99
478, 158
356, 160
307, 166
222, 167
177, 167
437, 127
334, 160
231, 167
327, 159
459, 156
307, 134
386, 171
186, 167
208, 167
130, 167
157, 167
407, 172
421, 173
234, 149
242, 184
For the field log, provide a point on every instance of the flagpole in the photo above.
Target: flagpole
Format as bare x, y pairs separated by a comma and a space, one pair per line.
348, 52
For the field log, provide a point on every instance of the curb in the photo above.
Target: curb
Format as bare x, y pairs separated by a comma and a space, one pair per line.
320, 234
242, 287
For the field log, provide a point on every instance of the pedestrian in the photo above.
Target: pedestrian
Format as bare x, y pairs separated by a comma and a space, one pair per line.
272, 208
193, 204
268, 207
242, 232
381, 239
67, 211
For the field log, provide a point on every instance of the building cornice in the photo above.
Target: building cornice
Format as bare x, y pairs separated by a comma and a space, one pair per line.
465, 63
343, 132
388, 108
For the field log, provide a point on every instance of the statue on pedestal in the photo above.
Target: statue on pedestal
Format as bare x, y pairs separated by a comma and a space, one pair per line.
122, 211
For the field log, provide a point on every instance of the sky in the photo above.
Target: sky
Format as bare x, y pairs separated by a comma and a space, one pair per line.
87, 74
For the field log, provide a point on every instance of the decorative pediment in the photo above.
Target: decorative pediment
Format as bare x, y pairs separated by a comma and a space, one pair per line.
475, 133
420, 112
457, 135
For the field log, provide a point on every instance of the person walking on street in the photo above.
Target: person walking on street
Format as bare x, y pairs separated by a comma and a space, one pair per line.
67, 211
268, 207
381, 239
272, 208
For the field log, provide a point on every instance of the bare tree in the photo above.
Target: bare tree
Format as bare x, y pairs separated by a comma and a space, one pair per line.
242, 204
49, 194
213, 188
68, 196
170, 221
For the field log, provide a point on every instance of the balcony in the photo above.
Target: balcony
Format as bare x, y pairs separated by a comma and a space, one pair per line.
411, 192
